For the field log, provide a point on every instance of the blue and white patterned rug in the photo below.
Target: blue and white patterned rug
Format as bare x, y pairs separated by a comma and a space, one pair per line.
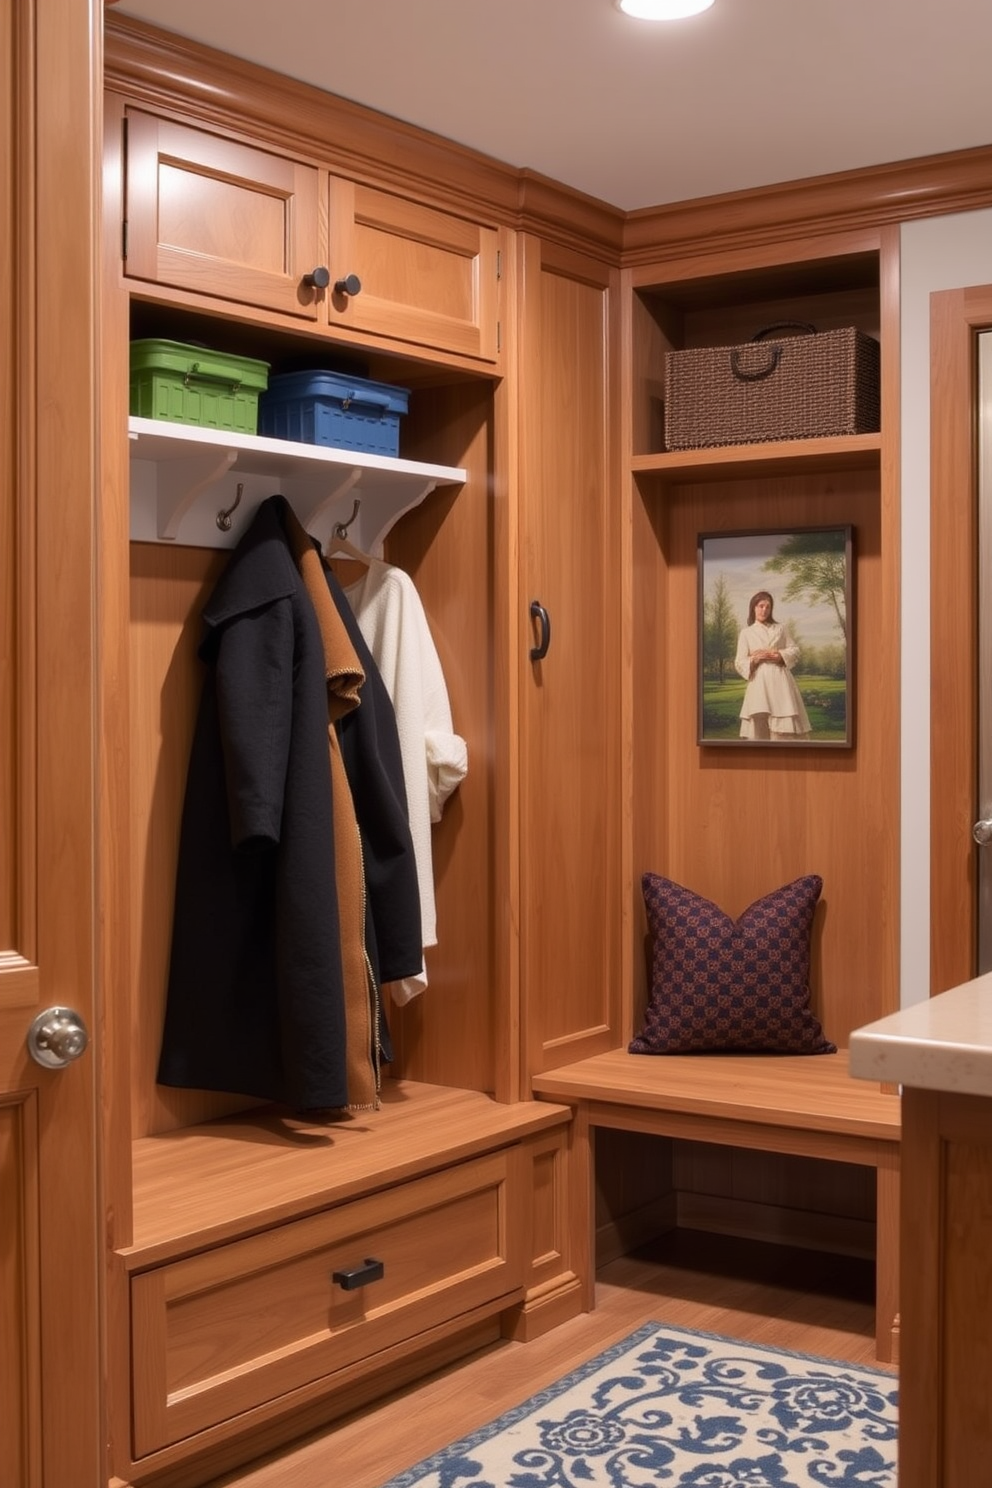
685, 1409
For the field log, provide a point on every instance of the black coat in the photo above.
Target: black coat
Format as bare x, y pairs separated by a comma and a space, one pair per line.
255, 1001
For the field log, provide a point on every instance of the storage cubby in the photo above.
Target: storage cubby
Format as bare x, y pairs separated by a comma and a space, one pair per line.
735, 823
727, 308
170, 582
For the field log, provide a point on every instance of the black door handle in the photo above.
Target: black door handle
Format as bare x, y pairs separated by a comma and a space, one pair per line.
540, 614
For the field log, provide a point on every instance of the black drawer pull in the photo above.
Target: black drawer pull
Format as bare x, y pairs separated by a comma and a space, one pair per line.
359, 1276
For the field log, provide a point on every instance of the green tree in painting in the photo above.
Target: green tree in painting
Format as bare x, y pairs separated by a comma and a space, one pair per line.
816, 563
719, 630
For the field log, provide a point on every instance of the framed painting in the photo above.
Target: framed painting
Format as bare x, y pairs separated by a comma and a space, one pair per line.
775, 638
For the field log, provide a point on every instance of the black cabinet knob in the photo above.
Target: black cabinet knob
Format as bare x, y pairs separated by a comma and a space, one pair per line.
351, 285
319, 278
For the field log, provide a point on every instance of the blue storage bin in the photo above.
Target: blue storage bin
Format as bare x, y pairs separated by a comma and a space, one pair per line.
329, 408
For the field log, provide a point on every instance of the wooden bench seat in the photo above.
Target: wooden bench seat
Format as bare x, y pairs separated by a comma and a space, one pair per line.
808, 1106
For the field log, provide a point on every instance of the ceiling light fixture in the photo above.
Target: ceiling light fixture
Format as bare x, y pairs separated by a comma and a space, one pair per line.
662, 10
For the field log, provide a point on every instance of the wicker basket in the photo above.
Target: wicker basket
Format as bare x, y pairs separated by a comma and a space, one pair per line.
795, 386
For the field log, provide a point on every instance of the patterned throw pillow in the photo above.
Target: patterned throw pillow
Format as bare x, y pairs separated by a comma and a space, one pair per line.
721, 984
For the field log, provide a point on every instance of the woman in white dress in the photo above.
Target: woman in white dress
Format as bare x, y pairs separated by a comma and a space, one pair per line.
773, 707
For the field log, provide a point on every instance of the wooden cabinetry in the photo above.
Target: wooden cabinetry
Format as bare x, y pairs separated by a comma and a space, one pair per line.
227, 1332
224, 1331
248, 225
735, 823
947, 1304
570, 696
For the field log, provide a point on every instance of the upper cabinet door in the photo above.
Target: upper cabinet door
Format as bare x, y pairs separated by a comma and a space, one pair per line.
221, 219
426, 277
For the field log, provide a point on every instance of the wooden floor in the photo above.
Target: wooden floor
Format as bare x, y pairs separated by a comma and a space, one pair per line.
791, 1299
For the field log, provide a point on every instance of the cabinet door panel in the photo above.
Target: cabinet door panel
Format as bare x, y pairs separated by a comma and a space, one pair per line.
426, 277
219, 218
570, 785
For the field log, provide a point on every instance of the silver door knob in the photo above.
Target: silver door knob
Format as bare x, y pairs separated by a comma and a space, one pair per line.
57, 1037
982, 832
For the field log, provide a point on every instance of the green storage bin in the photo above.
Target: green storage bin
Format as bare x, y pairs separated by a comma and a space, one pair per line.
194, 385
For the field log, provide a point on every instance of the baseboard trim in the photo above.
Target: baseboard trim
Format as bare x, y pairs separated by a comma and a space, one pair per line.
544, 1308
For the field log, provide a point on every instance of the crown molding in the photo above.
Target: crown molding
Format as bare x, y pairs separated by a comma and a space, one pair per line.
873, 197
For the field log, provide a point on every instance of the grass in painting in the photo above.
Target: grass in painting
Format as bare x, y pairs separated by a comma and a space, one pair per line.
825, 699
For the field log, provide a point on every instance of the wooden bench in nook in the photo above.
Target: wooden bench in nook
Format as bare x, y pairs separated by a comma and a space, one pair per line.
804, 1105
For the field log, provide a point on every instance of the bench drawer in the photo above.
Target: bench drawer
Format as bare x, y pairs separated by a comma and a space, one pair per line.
218, 1333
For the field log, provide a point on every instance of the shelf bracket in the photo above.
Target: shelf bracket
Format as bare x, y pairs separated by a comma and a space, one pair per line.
179, 482
320, 518
381, 506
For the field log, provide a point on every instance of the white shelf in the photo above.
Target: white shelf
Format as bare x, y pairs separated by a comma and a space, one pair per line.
183, 476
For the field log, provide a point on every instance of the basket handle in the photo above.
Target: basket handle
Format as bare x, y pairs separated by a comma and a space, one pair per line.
193, 373
801, 326
366, 400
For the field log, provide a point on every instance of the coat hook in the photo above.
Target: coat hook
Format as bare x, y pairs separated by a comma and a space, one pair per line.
224, 517
341, 528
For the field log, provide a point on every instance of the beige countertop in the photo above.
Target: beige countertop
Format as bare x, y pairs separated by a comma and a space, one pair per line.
944, 1043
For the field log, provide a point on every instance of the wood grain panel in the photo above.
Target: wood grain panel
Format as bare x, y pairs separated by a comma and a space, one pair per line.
784, 1090
453, 1034
947, 1303
554, 1291
9, 742
169, 587
205, 1184
20, 1352
955, 318
570, 764
967, 1304
735, 825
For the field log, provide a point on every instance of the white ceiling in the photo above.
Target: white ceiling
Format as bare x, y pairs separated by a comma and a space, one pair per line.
636, 113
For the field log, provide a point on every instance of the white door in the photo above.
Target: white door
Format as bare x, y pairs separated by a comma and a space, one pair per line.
50, 1369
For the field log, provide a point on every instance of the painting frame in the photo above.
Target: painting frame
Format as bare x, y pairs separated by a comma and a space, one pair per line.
778, 676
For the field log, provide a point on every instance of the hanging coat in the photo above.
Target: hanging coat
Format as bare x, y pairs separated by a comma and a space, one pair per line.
434, 759
373, 765
255, 997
